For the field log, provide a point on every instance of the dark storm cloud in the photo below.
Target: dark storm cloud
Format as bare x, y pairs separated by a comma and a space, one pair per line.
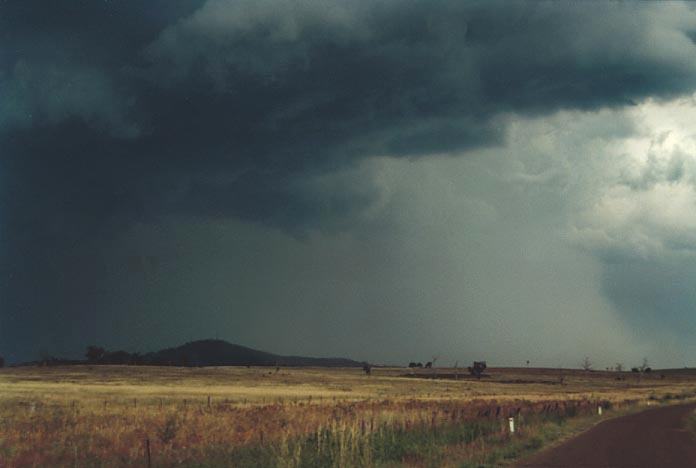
253, 95
117, 112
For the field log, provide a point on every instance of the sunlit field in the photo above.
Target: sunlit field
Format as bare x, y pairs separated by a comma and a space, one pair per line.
164, 416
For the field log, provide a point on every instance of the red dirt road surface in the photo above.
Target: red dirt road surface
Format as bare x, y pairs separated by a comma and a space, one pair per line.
656, 438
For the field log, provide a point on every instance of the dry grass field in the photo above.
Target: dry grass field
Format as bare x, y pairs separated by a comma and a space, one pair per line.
171, 416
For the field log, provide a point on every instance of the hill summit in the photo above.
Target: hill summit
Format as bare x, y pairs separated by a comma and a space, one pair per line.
222, 353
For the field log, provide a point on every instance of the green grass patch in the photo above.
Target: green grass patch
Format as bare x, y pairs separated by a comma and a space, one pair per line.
478, 443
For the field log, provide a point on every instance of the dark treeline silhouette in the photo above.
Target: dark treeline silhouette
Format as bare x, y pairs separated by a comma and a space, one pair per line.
97, 355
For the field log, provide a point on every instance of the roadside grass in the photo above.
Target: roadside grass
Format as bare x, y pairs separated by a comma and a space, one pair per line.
467, 444
549, 433
346, 446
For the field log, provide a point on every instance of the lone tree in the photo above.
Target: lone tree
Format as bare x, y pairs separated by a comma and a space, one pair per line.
367, 368
477, 369
586, 364
618, 367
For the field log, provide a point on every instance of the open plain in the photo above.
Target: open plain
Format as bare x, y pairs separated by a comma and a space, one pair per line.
237, 416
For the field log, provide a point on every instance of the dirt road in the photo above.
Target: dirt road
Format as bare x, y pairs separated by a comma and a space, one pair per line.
655, 438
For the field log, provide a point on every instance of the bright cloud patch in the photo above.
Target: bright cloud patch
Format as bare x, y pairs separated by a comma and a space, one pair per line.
645, 203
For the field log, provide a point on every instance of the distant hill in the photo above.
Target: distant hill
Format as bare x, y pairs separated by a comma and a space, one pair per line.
222, 353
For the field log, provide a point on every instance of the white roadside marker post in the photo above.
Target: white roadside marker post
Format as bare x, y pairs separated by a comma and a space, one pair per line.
599, 410
511, 422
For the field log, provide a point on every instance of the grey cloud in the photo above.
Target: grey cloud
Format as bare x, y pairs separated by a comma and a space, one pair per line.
676, 167
46, 94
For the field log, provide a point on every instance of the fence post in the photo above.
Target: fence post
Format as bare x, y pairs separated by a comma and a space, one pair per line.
147, 452
511, 423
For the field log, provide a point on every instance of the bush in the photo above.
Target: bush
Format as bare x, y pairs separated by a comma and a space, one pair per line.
168, 431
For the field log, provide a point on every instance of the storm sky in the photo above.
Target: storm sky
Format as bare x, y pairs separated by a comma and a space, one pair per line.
382, 180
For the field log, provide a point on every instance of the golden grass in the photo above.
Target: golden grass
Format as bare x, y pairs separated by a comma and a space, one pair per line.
103, 415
